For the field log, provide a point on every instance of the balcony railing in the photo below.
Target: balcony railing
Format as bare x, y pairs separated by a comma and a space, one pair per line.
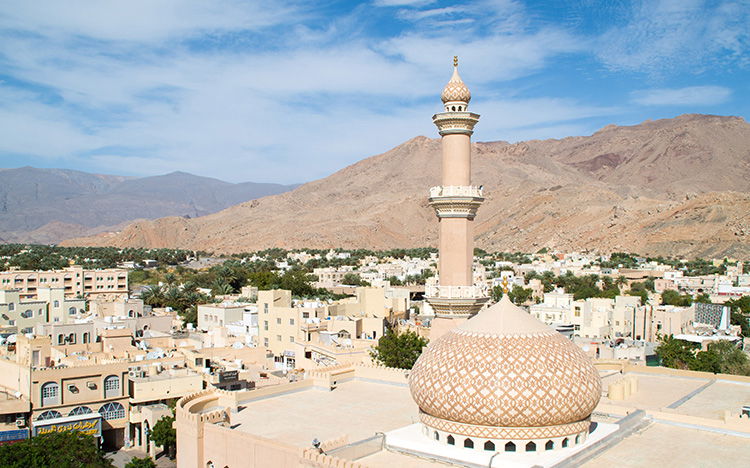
456, 191
456, 292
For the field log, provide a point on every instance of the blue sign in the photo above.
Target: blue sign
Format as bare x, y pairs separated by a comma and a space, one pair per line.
13, 436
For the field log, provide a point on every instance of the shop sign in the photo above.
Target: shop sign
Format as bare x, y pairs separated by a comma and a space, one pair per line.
229, 376
9, 437
92, 427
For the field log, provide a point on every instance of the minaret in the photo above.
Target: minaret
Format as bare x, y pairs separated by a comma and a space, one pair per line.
456, 202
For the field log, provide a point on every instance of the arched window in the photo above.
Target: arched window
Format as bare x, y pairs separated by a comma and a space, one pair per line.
531, 447
80, 410
50, 394
61, 339
565, 442
56, 304
468, 443
451, 440
510, 447
453, 108
111, 386
210, 464
549, 445
578, 439
86, 337
437, 436
28, 313
72, 338
72, 311
49, 415
131, 313
489, 445
343, 334
112, 410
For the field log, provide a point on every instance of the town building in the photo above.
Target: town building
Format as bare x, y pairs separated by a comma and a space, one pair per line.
75, 281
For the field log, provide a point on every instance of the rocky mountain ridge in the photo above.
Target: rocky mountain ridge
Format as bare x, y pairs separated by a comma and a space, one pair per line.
667, 187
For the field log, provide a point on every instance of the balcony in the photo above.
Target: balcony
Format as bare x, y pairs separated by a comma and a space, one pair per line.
456, 292
456, 191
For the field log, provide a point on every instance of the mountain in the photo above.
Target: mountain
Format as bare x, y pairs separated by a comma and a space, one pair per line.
48, 205
668, 187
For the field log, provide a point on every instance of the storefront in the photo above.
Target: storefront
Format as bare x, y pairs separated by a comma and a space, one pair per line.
11, 437
90, 424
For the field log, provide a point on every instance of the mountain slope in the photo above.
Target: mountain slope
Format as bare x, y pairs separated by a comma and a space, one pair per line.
675, 186
48, 205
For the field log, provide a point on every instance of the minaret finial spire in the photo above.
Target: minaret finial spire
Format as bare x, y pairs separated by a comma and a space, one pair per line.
455, 60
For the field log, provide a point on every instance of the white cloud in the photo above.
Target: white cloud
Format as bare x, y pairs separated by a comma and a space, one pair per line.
689, 96
392, 3
666, 35
142, 20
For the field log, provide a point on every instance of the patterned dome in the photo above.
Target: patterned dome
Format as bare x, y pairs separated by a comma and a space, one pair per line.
455, 90
505, 369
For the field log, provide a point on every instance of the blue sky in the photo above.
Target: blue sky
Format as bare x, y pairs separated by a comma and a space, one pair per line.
293, 91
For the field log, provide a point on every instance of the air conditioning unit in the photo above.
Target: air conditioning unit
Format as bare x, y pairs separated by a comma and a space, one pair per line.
91, 385
72, 388
20, 422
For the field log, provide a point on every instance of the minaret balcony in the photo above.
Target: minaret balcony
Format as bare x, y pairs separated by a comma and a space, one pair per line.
456, 201
456, 292
456, 301
449, 123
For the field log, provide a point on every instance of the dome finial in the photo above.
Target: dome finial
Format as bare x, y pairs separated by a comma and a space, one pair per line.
455, 60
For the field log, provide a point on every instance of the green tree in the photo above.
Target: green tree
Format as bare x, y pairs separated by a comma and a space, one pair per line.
399, 350
672, 297
354, 279
145, 462
164, 435
704, 298
69, 449
674, 353
732, 360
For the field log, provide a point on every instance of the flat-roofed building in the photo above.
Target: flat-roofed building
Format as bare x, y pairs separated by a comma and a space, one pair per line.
75, 281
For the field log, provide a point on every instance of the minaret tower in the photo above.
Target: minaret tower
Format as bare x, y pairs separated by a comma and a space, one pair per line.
456, 202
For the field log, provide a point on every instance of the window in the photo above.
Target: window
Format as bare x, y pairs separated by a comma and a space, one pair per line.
278, 337
468, 443
60, 339
50, 394
86, 337
80, 410
531, 447
578, 439
265, 325
27, 313
489, 446
451, 440
265, 342
265, 308
291, 339
11, 306
549, 445
49, 415
56, 304
278, 321
437, 436
565, 442
291, 321
112, 410
72, 311
111, 386
510, 447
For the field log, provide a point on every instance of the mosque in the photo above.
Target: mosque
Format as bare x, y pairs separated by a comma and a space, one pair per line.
494, 387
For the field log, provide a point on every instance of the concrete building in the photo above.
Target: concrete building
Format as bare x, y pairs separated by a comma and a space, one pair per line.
75, 281
18, 314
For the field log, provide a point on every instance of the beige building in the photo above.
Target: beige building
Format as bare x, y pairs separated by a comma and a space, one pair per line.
51, 305
219, 315
75, 281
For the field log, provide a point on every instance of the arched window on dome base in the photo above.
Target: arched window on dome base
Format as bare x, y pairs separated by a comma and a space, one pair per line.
531, 447
565, 443
489, 446
510, 447
549, 445
578, 439
436, 435
468, 443
451, 440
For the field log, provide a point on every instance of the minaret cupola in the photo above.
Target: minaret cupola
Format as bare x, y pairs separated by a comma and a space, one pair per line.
456, 95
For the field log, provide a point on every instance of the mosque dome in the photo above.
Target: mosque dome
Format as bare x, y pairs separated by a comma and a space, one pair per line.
505, 375
455, 90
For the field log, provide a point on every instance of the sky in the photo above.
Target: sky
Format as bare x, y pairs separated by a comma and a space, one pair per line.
292, 91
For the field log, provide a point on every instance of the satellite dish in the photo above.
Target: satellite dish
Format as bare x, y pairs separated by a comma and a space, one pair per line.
586, 348
237, 345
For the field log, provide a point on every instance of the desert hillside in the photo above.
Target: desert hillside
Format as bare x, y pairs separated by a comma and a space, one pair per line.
672, 187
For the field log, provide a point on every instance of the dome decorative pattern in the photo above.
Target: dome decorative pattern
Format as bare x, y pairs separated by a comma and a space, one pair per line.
505, 369
455, 90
